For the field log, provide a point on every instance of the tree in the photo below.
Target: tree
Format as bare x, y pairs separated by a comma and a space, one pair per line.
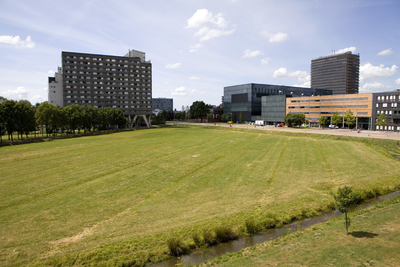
381, 120
346, 198
8, 114
241, 117
292, 119
24, 118
323, 121
157, 119
336, 119
199, 110
349, 119
180, 116
2, 125
46, 114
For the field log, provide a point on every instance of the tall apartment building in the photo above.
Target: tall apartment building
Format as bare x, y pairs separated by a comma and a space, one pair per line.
123, 82
162, 103
339, 73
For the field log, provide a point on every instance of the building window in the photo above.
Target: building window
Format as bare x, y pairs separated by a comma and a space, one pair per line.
384, 105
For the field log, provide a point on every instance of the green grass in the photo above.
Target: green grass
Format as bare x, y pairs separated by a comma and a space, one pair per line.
373, 240
117, 199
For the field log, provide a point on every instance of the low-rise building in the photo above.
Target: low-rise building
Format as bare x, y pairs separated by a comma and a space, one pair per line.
313, 107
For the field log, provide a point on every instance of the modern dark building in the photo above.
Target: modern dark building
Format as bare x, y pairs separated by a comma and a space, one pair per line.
387, 103
123, 82
263, 101
339, 73
161, 103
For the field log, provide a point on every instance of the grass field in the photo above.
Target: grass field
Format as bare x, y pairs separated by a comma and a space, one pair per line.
374, 241
116, 199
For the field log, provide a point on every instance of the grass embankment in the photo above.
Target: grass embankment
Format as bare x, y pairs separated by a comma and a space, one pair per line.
116, 199
374, 240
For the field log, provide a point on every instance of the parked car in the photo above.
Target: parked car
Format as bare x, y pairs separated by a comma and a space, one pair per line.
332, 126
230, 122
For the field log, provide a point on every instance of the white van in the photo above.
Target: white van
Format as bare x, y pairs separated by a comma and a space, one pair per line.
259, 123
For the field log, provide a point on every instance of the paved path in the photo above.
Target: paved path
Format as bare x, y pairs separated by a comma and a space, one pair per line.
344, 132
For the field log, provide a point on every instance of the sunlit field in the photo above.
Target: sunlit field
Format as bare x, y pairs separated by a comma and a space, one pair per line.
116, 199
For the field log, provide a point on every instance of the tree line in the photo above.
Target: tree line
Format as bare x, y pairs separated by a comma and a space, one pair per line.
21, 117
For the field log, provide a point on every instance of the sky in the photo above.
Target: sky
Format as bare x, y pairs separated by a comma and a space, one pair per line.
199, 47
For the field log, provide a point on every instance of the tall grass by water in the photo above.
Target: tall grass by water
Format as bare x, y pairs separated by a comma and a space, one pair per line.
117, 199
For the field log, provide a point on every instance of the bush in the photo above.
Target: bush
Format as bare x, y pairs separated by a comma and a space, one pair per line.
177, 247
251, 226
208, 237
224, 234
268, 223
197, 240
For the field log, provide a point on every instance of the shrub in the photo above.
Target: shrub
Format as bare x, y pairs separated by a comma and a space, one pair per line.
197, 240
224, 234
176, 246
208, 237
268, 223
251, 226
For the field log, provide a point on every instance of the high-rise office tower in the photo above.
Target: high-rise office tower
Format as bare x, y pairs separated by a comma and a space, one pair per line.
339, 73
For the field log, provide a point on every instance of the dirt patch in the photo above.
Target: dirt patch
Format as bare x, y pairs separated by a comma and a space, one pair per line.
75, 238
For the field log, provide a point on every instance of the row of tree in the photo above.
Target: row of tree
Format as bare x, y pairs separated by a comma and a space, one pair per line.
336, 119
22, 117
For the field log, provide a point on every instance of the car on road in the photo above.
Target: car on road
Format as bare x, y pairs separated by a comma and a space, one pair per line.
332, 126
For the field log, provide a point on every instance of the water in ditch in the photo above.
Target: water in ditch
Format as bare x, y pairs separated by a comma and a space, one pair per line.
199, 256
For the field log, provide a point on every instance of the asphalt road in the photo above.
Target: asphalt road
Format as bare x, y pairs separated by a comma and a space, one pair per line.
344, 132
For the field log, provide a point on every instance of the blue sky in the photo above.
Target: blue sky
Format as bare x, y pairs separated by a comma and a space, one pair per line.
199, 47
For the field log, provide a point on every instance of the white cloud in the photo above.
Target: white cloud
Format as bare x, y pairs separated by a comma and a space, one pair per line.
195, 48
374, 87
17, 42
203, 17
397, 81
206, 33
302, 76
20, 93
36, 99
51, 72
347, 49
275, 37
385, 52
265, 61
206, 22
280, 73
173, 66
194, 90
179, 91
194, 78
368, 71
166, 83
249, 53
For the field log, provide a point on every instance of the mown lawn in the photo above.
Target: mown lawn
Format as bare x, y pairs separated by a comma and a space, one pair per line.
117, 198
